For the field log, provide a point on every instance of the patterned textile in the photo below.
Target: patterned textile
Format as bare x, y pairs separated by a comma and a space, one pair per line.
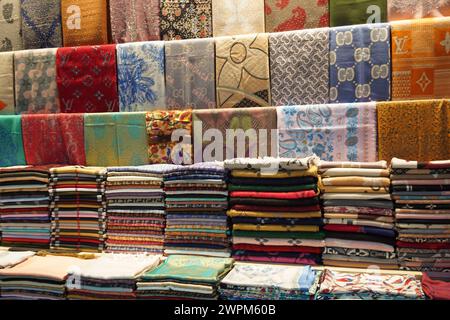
234, 17
295, 14
10, 21
190, 74
54, 138
41, 24
339, 132
7, 102
115, 139
140, 68
134, 20
11, 141
360, 67
416, 9
185, 19
86, 78
35, 81
351, 12
84, 22
415, 130
242, 71
299, 67
420, 59
242, 121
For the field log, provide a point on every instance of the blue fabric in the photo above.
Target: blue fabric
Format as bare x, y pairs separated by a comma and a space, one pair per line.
11, 142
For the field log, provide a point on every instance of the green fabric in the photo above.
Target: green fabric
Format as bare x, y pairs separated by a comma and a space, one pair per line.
115, 139
11, 144
279, 234
233, 187
350, 12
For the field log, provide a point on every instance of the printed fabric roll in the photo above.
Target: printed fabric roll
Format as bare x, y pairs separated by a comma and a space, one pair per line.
350, 12
413, 130
41, 24
7, 83
54, 138
242, 71
86, 78
360, 64
10, 25
185, 19
134, 20
333, 132
417, 9
233, 17
140, 68
115, 139
299, 67
190, 76
420, 59
84, 22
290, 15
35, 81
11, 141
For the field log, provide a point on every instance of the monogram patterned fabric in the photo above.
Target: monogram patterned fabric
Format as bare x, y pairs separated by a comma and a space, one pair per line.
360, 63
299, 67
416, 9
7, 83
350, 12
10, 35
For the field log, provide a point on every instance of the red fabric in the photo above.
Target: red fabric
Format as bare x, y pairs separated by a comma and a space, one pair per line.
243, 207
432, 246
53, 138
435, 289
274, 195
343, 228
255, 247
87, 79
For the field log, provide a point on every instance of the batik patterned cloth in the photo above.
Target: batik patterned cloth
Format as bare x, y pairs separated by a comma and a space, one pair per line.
134, 20
41, 24
417, 9
299, 67
415, 130
54, 138
7, 83
360, 64
115, 139
233, 17
84, 22
350, 12
190, 76
11, 141
420, 59
336, 132
10, 35
242, 71
35, 81
185, 19
140, 68
290, 15
86, 78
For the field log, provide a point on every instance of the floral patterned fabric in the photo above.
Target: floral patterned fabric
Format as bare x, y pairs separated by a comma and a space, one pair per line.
7, 102
10, 35
140, 68
351, 12
11, 141
417, 9
336, 132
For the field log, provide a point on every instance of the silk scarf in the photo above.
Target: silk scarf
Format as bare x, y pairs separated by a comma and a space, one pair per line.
7, 103
11, 141
350, 12
299, 67
417, 9
10, 26
140, 68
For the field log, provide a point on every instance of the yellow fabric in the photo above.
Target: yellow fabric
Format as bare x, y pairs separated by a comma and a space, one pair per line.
258, 214
311, 172
337, 189
268, 227
80, 170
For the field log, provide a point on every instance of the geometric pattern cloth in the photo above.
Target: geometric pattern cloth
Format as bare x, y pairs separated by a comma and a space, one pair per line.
351, 12
10, 25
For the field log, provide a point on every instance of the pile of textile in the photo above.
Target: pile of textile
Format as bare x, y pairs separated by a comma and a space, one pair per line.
436, 285
111, 276
196, 203
421, 191
335, 285
269, 282
135, 209
24, 207
77, 208
358, 215
184, 277
274, 210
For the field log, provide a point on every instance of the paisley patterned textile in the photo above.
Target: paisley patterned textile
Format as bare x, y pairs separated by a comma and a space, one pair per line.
351, 12
11, 141
7, 103
417, 9
10, 26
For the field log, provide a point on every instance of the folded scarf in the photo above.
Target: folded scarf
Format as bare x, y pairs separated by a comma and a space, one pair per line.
272, 182
356, 181
274, 202
275, 195
268, 227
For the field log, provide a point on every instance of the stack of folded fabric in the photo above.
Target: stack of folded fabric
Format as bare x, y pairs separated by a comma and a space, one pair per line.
335, 285
184, 277
421, 191
111, 276
269, 282
24, 207
135, 208
196, 203
77, 208
358, 215
274, 210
